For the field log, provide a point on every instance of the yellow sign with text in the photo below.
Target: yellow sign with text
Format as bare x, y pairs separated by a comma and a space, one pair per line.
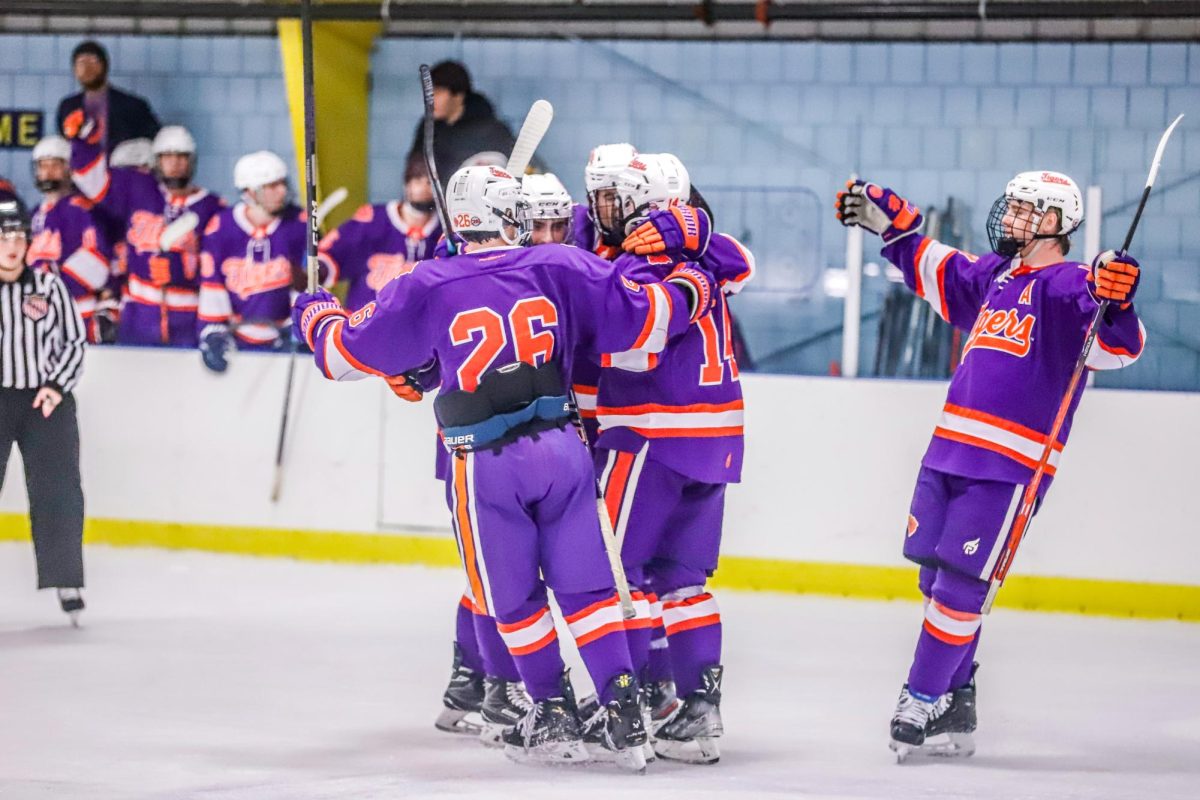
20, 129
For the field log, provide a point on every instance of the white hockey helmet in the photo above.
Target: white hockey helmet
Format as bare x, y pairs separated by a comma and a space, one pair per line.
174, 139
605, 163
133, 153
255, 170
52, 147
1043, 190
546, 196
651, 181
487, 200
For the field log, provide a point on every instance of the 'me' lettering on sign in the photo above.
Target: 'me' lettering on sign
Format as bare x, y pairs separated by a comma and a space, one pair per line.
20, 129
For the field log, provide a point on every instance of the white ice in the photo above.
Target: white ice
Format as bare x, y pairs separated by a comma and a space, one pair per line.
205, 676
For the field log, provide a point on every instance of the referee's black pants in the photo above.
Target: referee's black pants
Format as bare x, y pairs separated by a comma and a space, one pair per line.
50, 450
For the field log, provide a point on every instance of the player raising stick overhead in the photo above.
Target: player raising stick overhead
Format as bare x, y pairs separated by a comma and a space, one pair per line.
496, 329
1025, 308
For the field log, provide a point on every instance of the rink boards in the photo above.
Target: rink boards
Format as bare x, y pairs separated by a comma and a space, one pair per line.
174, 456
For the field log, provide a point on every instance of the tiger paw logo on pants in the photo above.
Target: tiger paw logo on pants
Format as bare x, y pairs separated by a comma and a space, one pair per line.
913, 524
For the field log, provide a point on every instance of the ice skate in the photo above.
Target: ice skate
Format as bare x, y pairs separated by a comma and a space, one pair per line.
616, 733
72, 604
462, 699
951, 735
505, 703
911, 722
549, 733
661, 704
691, 735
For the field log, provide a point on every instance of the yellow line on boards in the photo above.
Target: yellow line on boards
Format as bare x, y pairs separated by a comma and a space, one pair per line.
857, 581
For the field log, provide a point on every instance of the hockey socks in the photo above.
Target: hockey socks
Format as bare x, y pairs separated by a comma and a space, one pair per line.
464, 635
599, 630
693, 627
638, 631
658, 664
946, 639
497, 661
529, 634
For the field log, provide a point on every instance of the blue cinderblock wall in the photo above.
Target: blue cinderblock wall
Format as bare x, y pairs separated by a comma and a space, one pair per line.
932, 120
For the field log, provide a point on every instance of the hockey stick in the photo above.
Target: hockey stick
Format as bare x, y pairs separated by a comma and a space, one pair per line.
277, 482
314, 224
335, 199
310, 150
537, 121
1029, 500
171, 236
439, 195
612, 547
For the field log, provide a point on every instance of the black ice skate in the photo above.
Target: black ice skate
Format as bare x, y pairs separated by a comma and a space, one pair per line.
950, 735
661, 704
616, 732
691, 736
911, 722
72, 604
549, 733
462, 699
505, 703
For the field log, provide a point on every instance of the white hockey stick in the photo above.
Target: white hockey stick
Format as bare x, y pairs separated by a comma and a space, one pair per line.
335, 199
173, 233
537, 121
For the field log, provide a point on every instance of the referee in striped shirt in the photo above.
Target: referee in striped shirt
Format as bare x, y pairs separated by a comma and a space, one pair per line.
41, 358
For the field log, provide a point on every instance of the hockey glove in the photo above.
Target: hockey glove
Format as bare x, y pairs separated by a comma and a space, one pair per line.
309, 312
879, 210
698, 285
108, 313
405, 387
1114, 277
680, 231
160, 270
78, 125
216, 344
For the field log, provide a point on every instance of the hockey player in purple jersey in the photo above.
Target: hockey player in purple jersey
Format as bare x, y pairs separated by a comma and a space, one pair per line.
551, 210
67, 241
160, 297
251, 256
496, 330
1025, 309
670, 441
383, 240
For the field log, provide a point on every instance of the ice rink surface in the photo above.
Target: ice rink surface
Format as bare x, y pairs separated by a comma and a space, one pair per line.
221, 677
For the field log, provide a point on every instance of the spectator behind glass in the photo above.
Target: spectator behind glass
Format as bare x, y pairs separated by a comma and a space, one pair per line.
466, 128
125, 116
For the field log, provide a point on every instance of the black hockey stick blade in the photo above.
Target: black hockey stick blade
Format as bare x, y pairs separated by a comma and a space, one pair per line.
439, 196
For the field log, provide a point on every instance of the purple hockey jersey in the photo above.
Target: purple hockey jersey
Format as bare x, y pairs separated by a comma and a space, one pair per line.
247, 273
686, 401
471, 313
375, 245
1025, 329
67, 241
133, 201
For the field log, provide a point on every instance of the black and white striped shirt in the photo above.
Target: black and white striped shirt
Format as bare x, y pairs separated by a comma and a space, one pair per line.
41, 334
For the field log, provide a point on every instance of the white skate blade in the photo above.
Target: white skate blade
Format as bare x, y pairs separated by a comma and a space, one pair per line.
648, 752
701, 750
631, 759
74, 617
946, 745
465, 723
492, 734
552, 753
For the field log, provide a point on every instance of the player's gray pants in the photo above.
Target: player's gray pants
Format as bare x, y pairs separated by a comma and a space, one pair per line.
50, 450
